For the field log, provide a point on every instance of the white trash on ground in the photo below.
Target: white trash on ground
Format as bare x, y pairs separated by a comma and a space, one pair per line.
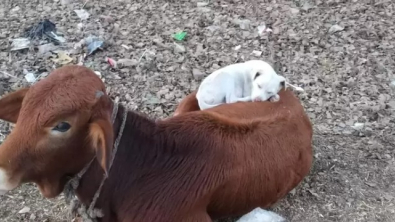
20, 43
82, 14
261, 215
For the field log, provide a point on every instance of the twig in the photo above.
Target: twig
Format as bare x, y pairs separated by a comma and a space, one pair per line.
7, 74
141, 57
297, 88
83, 6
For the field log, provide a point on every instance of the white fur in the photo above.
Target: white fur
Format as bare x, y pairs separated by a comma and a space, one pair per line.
236, 83
4, 183
261, 215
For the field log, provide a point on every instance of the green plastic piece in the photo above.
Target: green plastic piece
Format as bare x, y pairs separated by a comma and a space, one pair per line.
180, 36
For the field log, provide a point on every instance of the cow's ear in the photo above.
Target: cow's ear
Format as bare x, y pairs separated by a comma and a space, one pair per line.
101, 135
10, 105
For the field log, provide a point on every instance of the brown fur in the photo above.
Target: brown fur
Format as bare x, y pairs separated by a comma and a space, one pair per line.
193, 167
188, 104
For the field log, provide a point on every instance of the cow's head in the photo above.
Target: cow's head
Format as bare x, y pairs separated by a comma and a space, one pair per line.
61, 123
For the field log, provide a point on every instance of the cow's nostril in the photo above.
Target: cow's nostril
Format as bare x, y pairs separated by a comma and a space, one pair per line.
282, 83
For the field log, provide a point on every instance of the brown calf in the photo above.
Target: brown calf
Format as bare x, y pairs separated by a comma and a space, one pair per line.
194, 167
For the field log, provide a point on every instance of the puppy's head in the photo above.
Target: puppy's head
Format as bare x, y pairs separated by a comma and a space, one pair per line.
265, 81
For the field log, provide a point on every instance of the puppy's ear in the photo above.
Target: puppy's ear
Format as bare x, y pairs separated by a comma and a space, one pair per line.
256, 75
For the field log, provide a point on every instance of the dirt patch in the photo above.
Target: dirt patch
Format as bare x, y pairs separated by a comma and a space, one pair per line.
341, 52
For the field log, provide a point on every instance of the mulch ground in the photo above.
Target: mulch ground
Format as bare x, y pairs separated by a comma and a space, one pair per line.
340, 51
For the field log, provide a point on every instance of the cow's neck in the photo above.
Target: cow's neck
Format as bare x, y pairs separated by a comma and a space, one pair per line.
135, 126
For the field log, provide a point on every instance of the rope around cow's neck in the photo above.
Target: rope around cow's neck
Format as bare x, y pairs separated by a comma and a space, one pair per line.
76, 206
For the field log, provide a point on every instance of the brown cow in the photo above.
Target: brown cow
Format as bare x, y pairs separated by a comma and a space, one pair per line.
194, 167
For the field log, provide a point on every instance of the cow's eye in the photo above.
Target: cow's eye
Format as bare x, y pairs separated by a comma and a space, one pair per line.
62, 127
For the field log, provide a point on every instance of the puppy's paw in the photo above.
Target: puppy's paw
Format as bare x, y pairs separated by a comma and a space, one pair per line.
275, 98
257, 99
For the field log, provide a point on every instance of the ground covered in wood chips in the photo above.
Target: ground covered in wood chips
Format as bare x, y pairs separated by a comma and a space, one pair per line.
340, 51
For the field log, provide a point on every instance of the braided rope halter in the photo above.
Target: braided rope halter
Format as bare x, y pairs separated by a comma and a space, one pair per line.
91, 213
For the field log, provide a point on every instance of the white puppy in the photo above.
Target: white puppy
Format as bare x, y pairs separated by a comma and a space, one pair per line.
254, 80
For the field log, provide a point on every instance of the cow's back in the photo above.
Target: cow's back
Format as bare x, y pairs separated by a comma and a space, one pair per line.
258, 151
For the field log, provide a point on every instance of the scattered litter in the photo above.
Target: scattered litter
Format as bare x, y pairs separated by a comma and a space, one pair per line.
82, 14
141, 57
42, 49
180, 35
306, 6
261, 215
29, 76
24, 210
63, 58
112, 62
335, 28
179, 48
213, 28
294, 11
83, 6
100, 76
238, 47
32, 217
125, 46
256, 53
202, 4
98, 73
197, 74
243, 23
107, 18
79, 44
43, 29
15, 9
20, 43
371, 185
313, 193
127, 62
7, 74
81, 59
152, 100
57, 38
358, 126
80, 26
94, 43
159, 42
65, 2
263, 28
